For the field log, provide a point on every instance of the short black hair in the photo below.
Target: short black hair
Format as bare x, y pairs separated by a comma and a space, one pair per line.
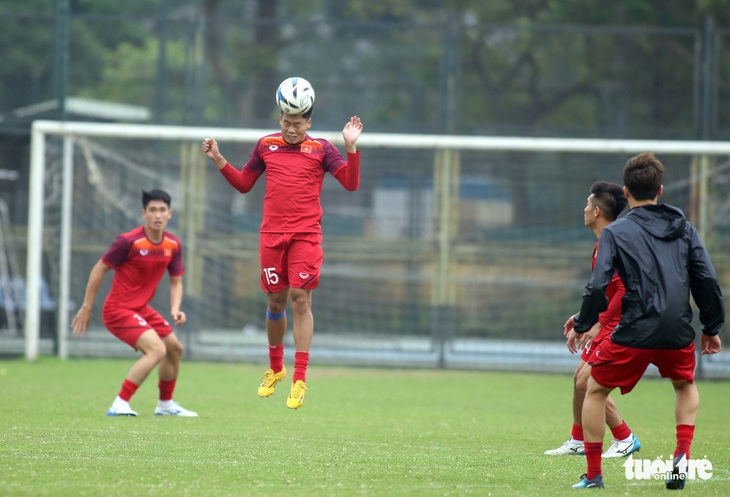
610, 198
155, 195
305, 115
643, 176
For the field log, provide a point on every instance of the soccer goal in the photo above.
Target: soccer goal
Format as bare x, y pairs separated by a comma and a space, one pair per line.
455, 251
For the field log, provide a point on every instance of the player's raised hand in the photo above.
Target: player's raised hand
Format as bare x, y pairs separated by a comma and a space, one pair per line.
210, 147
352, 130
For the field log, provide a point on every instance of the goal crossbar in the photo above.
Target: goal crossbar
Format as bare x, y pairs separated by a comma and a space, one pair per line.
400, 140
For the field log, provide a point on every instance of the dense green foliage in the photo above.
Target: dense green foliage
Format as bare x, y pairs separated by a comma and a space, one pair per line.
630, 68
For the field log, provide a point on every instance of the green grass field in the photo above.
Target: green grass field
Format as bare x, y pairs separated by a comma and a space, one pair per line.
361, 432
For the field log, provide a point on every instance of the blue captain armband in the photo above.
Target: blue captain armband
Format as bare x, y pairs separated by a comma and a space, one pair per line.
274, 317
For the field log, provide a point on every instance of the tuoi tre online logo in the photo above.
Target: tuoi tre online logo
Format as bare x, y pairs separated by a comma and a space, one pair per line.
658, 469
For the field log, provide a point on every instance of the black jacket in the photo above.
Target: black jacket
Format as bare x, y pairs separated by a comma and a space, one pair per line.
660, 259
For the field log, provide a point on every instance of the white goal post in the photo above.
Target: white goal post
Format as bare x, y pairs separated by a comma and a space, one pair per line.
440, 144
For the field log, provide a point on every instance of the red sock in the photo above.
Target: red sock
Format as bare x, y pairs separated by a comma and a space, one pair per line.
593, 458
276, 357
166, 389
685, 434
128, 389
301, 359
577, 432
621, 432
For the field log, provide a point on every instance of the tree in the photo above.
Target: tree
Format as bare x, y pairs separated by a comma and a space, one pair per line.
248, 80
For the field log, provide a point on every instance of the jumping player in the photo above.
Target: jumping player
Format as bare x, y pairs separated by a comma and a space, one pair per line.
604, 204
139, 258
291, 234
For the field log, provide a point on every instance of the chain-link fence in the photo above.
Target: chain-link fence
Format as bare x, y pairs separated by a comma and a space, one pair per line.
519, 256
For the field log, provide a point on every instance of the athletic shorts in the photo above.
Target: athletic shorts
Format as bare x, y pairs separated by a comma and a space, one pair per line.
290, 260
617, 366
129, 324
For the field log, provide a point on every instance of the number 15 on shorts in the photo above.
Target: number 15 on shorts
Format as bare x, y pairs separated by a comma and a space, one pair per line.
270, 275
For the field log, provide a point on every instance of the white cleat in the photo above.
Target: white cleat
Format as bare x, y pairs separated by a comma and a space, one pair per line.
172, 408
569, 448
120, 410
622, 449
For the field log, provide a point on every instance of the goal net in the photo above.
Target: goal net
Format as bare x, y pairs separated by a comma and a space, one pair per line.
455, 251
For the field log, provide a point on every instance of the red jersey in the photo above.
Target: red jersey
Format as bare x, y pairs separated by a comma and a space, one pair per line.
615, 291
294, 178
139, 264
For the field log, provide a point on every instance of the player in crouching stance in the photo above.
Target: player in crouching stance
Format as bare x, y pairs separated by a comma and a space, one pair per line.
139, 258
603, 206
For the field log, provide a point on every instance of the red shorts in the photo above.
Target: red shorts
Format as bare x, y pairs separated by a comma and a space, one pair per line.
618, 366
290, 260
129, 324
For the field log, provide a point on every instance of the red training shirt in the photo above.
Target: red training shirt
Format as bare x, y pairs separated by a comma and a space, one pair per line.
615, 291
294, 178
139, 264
